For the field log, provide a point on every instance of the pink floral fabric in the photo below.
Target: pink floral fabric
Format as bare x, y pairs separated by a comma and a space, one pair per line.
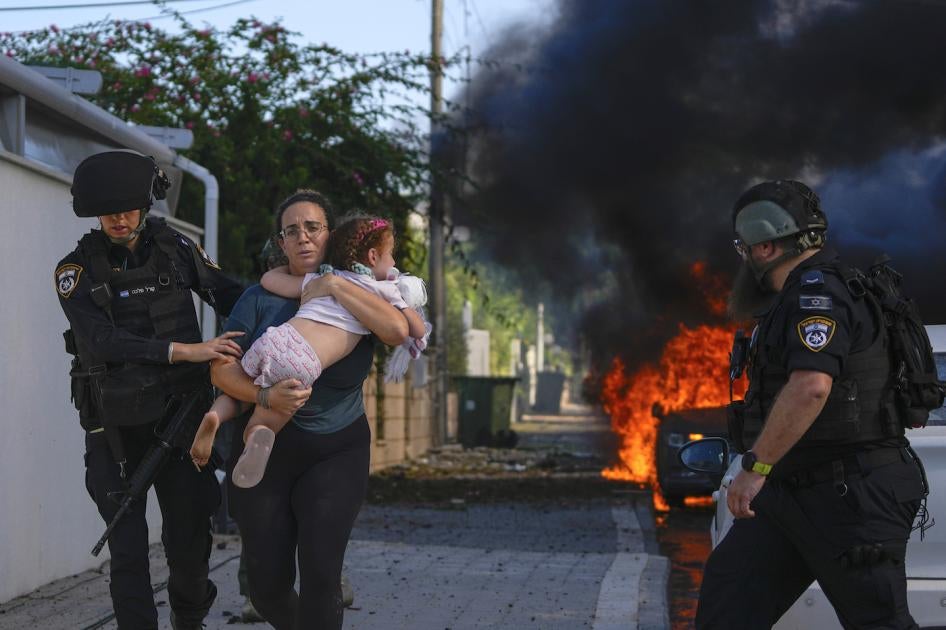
281, 353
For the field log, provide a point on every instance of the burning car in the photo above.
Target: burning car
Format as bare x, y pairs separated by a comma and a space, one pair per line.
676, 429
926, 558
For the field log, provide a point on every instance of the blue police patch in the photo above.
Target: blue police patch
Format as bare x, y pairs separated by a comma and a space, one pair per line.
812, 277
815, 302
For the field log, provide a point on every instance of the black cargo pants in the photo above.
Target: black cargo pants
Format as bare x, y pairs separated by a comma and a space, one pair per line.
805, 532
187, 499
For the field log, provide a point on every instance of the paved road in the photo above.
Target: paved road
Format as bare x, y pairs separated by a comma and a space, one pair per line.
513, 562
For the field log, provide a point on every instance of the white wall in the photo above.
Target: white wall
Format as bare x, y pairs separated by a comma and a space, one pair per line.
48, 523
477, 357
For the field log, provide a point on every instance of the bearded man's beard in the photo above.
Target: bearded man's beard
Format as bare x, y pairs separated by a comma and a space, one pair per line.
747, 297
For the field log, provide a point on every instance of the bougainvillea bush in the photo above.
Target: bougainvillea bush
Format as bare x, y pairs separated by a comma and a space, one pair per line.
268, 114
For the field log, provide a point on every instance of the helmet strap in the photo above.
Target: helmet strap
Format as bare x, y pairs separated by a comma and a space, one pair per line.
804, 242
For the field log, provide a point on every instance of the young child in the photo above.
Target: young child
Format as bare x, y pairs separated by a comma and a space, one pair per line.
321, 333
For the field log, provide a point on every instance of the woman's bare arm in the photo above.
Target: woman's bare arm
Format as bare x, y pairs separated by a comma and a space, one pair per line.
285, 397
386, 322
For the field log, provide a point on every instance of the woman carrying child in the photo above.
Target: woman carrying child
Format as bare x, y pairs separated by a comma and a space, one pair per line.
321, 333
317, 477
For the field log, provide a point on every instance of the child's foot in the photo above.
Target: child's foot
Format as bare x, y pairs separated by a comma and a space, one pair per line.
249, 470
204, 438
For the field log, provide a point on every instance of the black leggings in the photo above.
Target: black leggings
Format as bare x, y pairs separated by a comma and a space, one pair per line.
309, 497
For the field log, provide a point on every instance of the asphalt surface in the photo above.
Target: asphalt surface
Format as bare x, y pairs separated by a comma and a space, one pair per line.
530, 538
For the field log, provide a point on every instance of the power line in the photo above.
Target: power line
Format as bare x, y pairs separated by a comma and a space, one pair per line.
168, 14
91, 5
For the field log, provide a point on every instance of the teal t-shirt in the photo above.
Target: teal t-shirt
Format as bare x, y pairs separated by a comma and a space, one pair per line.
336, 399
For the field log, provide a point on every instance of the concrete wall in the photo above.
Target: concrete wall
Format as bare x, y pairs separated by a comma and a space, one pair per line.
48, 523
406, 424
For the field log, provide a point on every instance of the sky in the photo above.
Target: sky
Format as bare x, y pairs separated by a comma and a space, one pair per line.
353, 25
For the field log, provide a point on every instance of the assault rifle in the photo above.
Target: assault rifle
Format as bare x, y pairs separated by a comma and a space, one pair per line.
175, 433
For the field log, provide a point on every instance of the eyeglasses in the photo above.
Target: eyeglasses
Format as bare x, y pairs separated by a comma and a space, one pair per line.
741, 248
312, 229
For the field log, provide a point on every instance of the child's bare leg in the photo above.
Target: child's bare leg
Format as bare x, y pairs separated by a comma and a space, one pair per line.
259, 437
223, 409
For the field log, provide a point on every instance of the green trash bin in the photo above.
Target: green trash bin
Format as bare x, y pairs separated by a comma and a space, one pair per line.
484, 407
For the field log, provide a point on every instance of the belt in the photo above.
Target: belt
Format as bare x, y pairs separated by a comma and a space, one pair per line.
839, 469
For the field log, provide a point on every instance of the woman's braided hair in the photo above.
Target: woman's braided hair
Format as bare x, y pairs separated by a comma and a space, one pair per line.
354, 236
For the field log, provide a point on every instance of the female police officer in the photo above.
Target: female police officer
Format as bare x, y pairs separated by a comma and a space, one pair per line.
126, 291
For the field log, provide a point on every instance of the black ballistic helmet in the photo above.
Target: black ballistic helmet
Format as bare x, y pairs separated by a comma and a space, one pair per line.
117, 181
773, 210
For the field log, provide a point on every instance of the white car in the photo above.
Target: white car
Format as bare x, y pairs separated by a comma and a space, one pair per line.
926, 559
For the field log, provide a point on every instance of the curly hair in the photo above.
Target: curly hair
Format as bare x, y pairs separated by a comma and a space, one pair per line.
355, 235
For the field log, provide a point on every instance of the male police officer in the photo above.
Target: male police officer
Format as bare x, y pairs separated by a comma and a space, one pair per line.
829, 490
127, 293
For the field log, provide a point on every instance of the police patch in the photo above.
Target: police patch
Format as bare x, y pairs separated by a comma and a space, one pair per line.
67, 278
816, 332
815, 302
210, 262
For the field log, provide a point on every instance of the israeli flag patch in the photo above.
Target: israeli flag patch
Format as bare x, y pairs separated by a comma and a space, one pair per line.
816, 332
815, 302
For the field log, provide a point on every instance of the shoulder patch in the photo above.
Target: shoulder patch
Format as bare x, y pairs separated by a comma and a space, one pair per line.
812, 277
67, 278
210, 262
815, 302
816, 332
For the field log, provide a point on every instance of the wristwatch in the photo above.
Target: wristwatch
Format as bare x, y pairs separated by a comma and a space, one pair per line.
751, 464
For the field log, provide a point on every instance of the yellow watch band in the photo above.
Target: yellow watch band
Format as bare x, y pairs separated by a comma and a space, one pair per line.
762, 469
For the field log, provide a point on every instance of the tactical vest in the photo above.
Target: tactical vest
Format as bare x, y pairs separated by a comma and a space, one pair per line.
151, 301
854, 412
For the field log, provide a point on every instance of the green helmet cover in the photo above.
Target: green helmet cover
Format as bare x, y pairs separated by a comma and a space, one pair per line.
764, 220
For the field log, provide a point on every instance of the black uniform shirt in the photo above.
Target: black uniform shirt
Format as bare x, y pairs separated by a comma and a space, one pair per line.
816, 324
111, 342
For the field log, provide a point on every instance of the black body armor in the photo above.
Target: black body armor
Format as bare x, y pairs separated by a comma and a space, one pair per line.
855, 411
151, 301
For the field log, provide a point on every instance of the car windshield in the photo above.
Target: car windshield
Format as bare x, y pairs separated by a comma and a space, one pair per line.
938, 416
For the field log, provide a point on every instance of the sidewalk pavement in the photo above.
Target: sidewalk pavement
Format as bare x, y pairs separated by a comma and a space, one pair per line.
551, 564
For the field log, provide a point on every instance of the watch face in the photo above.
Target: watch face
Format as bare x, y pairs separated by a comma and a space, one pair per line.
748, 461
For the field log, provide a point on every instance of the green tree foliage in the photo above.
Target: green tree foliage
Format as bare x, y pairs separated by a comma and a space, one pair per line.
268, 115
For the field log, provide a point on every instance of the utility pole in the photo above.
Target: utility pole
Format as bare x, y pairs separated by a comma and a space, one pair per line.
437, 220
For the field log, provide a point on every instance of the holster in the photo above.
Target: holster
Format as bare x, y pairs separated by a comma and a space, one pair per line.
735, 423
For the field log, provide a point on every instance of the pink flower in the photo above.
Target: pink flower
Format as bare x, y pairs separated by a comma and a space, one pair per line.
189, 124
110, 41
303, 112
143, 71
10, 54
54, 28
149, 96
203, 32
117, 85
52, 50
252, 77
216, 133
91, 63
80, 59
147, 26
355, 175
196, 96
135, 107
195, 80
287, 135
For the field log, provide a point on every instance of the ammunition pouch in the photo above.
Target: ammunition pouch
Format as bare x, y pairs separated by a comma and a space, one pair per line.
81, 390
135, 394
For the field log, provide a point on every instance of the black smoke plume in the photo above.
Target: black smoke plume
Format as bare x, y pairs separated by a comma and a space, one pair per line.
609, 146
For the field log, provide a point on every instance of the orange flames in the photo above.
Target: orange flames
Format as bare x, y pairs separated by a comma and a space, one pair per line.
691, 373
